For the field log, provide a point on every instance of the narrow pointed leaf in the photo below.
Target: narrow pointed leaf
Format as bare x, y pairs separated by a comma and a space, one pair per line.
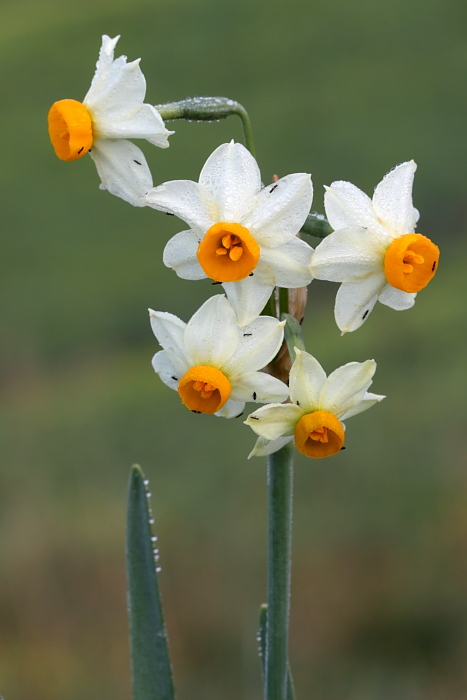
263, 616
150, 663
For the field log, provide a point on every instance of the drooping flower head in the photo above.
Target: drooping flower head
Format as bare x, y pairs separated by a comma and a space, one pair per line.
212, 363
318, 406
112, 112
374, 251
241, 234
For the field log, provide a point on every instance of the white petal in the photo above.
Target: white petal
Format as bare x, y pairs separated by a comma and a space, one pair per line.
307, 378
211, 335
367, 402
346, 387
104, 62
287, 265
265, 447
146, 123
180, 255
347, 206
350, 253
187, 200
232, 178
169, 367
392, 199
231, 409
258, 344
106, 54
280, 210
122, 169
117, 90
259, 387
396, 298
169, 331
248, 298
356, 299
275, 420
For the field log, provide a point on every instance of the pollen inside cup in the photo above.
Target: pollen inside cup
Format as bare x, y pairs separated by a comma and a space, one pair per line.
319, 434
228, 252
411, 262
70, 129
204, 389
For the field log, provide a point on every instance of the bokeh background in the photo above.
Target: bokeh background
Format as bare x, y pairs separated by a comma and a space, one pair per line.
344, 90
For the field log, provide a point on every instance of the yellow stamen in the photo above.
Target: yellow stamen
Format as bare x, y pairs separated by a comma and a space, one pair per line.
411, 262
236, 253
319, 434
70, 129
204, 389
228, 252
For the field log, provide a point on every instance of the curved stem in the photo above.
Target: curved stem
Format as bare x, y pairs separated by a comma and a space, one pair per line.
280, 486
208, 109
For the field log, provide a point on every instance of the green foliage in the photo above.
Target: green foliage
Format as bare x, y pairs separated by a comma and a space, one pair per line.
150, 662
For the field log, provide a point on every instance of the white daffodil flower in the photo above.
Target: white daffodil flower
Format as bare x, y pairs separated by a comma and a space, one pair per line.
212, 363
112, 112
241, 234
319, 405
374, 251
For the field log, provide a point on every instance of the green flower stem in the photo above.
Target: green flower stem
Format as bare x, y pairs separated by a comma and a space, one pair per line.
316, 225
280, 483
263, 615
208, 109
293, 334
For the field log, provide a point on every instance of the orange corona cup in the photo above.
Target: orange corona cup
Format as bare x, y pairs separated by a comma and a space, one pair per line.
228, 252
70, 129
319, 434
411, 262
204, 389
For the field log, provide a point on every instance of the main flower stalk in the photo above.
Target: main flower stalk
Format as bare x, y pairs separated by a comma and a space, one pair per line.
280, 487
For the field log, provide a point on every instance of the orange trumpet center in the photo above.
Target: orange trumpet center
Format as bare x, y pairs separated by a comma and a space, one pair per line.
411, 262
319, 434
70, 129
204, 389
228, 252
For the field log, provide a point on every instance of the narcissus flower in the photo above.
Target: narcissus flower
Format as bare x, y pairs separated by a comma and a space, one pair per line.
112, 112
241, 234
374, 251
319, 405
213, 363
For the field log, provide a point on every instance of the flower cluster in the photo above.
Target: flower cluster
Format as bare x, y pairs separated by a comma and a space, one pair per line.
245, 236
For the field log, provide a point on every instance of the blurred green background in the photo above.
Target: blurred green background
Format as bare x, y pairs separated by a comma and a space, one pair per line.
344, 90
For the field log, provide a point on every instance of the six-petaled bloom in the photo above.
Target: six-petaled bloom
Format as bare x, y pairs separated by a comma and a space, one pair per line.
374, 251
241, 234
112, 112
318, 406
212, 363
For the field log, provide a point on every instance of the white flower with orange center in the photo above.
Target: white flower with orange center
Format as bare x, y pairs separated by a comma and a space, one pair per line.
241, 234
374, 251
318, 406
212, 363
112, 112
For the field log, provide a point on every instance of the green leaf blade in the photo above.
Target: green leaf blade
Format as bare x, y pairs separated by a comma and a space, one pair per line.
150, 662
